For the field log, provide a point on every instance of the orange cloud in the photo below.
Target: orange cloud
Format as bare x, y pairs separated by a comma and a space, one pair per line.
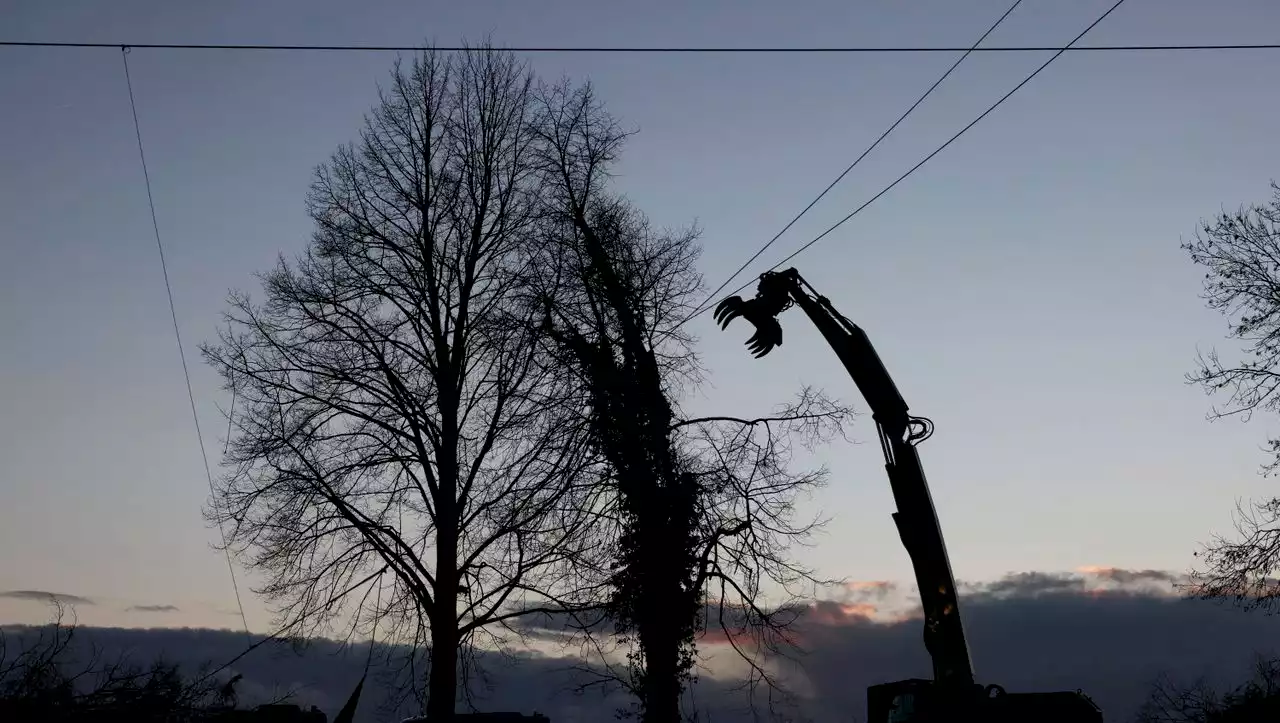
840, 613
1099, 579
884, 602
1094, 570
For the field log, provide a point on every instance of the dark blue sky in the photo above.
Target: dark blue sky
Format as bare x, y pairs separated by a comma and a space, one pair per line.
1025, 288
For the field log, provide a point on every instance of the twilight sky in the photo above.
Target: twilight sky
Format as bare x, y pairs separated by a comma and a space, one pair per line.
1025, 287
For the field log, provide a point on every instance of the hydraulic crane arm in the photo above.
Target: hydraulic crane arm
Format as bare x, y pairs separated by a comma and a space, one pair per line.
952, 695
900, 432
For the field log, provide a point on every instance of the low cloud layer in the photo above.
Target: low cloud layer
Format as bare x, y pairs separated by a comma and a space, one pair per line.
1109, 632
152, 609
45, 597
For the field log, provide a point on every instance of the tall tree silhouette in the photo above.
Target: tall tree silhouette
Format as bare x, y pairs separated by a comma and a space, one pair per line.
1240, 254
701, 505
393, 409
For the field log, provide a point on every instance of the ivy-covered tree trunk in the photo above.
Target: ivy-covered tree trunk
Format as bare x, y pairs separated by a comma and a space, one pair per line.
696, 501
655, 600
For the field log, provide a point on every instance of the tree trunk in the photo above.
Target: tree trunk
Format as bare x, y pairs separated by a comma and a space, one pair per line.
659, 626
662, 683
442, 686
662, 680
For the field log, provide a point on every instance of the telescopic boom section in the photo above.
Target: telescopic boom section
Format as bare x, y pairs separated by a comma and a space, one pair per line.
900, 432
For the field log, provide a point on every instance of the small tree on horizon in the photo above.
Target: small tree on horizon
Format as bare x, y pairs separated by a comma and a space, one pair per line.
50, 677
1255, 700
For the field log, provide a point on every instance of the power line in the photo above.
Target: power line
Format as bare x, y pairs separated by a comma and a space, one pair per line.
647, 50
935, 152
177, 333
712, 297
324, 607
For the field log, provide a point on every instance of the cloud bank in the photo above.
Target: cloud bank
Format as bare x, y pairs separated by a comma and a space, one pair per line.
44, 596
1109, 632
152, 609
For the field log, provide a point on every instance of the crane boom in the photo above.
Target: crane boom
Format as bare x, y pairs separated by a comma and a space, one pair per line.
899, 431
953, 693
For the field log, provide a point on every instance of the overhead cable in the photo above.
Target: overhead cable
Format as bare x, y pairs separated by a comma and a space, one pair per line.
177, 333
712, 297
708, 49
935, 152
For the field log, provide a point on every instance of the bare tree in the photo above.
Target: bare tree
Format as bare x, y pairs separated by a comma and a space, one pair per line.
1198, 702
52, 679
396, 423
1240, 253
703, 508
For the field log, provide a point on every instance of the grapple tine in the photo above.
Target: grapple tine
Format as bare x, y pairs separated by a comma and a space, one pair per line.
726, 311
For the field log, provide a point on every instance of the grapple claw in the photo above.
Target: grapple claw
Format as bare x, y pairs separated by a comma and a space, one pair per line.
768, 333
728, 310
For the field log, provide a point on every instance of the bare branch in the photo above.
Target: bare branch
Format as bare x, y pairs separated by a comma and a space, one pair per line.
1240, 253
